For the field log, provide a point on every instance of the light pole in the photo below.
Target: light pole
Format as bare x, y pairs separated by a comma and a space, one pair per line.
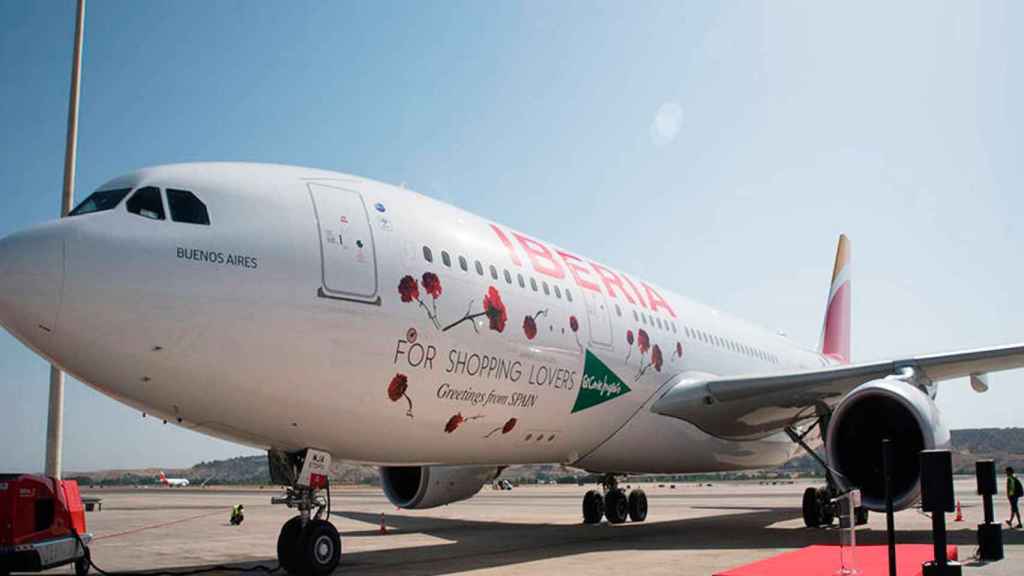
55, 422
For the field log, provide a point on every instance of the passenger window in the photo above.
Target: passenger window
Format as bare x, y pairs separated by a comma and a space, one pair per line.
427, 254
660, 327
100, 201
463, 264
494, 272
568, 295
547, 291
636, 317
618, 311
446, 259
558, 292
522, 283
479, 267
186, 208
146, 202
508, 276
533, 284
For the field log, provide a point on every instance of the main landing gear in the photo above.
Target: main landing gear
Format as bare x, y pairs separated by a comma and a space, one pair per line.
819, 505
614, 504
308, 545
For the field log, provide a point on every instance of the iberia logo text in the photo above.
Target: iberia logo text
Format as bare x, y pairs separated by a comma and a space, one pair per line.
599, 384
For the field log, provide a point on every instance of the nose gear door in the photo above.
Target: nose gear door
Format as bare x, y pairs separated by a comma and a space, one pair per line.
347, 252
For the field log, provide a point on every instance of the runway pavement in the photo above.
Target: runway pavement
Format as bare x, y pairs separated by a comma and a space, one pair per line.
690, 530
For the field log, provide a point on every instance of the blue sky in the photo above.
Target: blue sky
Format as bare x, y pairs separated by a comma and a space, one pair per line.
714, 148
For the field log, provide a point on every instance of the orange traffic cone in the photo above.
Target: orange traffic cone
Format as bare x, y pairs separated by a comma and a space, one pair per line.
383, 528
959, 513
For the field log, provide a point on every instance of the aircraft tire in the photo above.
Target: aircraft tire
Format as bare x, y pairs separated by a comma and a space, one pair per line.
288, 545
826, 513
616, 506
637, 505
593, 507
811, 513
319, 550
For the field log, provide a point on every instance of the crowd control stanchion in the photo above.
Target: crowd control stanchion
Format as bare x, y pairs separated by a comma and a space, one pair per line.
890, 523
847, 505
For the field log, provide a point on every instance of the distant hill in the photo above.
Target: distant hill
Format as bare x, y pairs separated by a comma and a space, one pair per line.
1004, 445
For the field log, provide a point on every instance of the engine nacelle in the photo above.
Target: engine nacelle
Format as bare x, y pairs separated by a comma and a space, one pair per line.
414, 487
892, 409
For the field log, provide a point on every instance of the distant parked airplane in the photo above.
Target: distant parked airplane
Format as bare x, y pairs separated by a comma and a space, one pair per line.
319, 315
173, 482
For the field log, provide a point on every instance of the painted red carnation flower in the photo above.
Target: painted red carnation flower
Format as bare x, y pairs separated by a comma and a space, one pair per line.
574, 324
643, 341
629, 337
432, 285
408, 289
656, 359
495, 309
397, 390
454, 422
529, 327
503, 429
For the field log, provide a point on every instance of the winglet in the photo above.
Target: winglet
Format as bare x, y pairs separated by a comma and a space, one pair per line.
835, 334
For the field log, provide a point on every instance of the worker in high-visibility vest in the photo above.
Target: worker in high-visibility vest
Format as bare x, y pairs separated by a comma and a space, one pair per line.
237, 514
1013, 492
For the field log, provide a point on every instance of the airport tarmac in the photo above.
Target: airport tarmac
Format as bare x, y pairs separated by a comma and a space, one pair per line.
690, 530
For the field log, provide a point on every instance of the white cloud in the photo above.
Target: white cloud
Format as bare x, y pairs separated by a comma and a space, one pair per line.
667, 123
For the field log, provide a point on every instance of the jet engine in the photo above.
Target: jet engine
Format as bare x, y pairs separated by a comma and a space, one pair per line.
874, 411
415, 487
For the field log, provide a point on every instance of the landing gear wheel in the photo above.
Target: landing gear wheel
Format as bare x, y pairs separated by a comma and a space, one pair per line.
83, 564
810, 508
593, 507
288, 545
861, 516
817, 509
827, 511
616, 506
319, 550
637, 505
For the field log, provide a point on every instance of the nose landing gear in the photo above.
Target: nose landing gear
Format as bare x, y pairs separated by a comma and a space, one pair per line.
308, 544
614, 504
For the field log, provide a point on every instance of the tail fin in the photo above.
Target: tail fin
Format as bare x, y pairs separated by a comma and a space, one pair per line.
835, 334
163, 479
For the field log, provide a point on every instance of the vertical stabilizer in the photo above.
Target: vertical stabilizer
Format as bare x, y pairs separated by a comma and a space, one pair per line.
835, 334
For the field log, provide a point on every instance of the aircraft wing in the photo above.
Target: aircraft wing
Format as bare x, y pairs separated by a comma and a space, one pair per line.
748, 407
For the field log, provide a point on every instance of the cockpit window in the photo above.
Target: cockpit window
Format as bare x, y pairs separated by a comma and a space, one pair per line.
146, 202
100, 201
185, 207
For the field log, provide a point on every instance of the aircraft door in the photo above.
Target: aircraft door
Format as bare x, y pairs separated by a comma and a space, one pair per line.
347, 252
598, 317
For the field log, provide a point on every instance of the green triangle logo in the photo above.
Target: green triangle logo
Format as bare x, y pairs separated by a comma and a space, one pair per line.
599, 384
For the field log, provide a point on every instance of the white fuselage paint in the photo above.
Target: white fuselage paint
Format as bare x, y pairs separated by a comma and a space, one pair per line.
271, 327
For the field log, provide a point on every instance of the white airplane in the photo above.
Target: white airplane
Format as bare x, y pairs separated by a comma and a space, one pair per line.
319, 315
173, 482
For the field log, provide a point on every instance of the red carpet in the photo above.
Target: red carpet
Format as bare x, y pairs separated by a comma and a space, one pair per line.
824, 561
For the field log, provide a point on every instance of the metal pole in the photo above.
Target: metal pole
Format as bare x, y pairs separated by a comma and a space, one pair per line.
890, 525
55, 422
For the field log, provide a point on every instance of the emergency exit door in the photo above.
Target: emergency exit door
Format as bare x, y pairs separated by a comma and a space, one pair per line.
347, 254
598, 317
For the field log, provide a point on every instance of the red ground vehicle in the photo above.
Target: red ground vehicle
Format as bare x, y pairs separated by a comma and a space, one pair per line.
42, 524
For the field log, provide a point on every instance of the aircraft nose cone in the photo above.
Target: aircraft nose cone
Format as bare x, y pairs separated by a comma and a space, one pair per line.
31, 281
